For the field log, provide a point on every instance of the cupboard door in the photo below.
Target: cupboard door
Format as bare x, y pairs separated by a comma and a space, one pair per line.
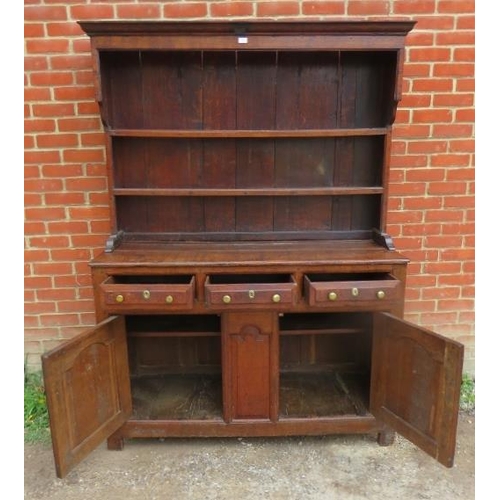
415, 388
87, 385
250, 357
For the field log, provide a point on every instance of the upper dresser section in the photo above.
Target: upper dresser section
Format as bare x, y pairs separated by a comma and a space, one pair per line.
248, 130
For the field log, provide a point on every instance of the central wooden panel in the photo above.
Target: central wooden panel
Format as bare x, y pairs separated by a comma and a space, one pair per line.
250, 365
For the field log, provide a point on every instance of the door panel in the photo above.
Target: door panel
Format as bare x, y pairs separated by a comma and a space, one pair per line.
88, 391
415, 388
250, 366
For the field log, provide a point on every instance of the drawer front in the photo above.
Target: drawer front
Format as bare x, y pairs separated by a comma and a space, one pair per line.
330, 293
121, 297
250, 294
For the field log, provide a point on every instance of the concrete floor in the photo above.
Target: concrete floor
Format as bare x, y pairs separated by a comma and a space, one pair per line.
309, 468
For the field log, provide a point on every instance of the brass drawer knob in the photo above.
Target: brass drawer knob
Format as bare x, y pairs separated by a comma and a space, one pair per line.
119, 298
169, 299
380, 294
276, 297
332, 296
146, 294
355, 292
226, 299
251, 294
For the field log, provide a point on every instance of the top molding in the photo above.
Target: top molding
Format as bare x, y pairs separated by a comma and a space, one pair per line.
248, 35
395, 27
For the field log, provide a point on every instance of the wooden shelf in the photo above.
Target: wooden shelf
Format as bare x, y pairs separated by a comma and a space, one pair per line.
323, 191
248, 134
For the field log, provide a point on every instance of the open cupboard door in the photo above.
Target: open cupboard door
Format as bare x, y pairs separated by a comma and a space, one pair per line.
416, 378
88, 391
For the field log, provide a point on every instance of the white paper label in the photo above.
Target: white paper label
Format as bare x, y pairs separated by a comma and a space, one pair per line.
242, 39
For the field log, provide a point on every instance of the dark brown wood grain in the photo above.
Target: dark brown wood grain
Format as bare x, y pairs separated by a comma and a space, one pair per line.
248, 168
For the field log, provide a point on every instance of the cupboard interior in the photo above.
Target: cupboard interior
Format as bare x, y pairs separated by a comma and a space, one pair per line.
176, 365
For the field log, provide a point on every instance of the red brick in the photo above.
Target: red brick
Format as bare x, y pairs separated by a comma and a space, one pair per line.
450, 160
45, 213
74, 93
456, 6
138, 11
64, 199
56, 294
323, 8
447, 188
453, 100
432, 116
83, 155
88, 213
429, 146
466, 85
31, 227
62, 171
430, 54
53, 110
51, 78
36, 94
436, 23
35, 63
39, 308
416, 69
463, 54
47, 46
455, 69
451, 130
67, 227
92, 139
42, 185
56, 140
425, 175
411, 131
466, 22
432, 85
39, 13
79, 124
92, 12
38, 157
86, 184
465, 115
367, 7
85, 78
39, 125
462, 145
459, 202
231, 9
69, 29
76, 306
71, 62
463, 229
71, 254
178, 10
415, 101
277, 9
415, 7
421, 229
80, 45
34, 30
52, 268
456, 38
443, 216
58, 319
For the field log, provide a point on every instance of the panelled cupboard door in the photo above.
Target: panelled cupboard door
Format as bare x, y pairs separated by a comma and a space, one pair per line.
88, 391
415, 389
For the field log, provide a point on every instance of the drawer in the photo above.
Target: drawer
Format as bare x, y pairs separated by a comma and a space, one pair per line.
369, 288
146, 293
273, 290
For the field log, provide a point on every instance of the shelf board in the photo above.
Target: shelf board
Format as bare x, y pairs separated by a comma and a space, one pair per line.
247, 134
321, 191
145, 333
321, 331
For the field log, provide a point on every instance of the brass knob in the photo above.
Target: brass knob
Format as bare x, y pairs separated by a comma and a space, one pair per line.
332, 296
226, 299
251, 294
380, 294
355, 292
146, 294
276, 297
119, 298
169, 299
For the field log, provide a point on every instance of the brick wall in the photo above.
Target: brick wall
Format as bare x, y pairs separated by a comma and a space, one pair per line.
431, 203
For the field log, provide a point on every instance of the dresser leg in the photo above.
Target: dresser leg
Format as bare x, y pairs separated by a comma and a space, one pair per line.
115, 442
386, 437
